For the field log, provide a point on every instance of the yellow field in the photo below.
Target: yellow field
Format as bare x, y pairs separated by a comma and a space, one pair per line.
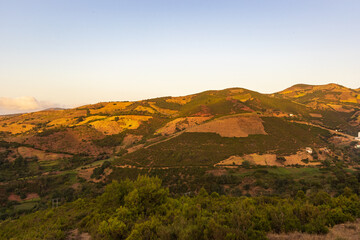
243, 97
349, 100
15, 128
109, 126
91, 119
111, 107
62, 122
300, 95
144, 109
179, 100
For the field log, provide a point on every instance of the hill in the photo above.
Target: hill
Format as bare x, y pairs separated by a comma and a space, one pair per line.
103, 128
233, 141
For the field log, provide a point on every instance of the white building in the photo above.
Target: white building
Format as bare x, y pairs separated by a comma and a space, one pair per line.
358, 137
309, 150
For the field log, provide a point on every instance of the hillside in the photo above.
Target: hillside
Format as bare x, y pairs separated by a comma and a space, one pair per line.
337, 105
103, 128
233, 141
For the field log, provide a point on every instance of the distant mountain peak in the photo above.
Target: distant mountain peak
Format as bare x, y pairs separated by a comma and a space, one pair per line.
299, 87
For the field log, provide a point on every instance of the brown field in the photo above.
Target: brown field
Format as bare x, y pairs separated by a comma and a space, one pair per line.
339, 108
130, 139
265, 159
135, 148
296, 159
27, 152
232, 126
348, 97
72, 140
29, 196
269, 160
315, 115
181, 124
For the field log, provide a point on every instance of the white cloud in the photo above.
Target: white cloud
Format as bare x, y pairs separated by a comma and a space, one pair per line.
22, 104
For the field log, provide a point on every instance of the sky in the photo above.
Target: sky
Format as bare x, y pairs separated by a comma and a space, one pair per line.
67, 53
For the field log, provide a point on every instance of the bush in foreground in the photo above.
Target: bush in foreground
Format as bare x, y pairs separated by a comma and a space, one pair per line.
142, 209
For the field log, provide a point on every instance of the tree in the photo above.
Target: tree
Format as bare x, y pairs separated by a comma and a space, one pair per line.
113, 228
147, 195
245, 164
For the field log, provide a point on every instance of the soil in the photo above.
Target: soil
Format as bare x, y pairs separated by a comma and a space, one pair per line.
76, 235
270, 159
239, 126
181, 124
27, 152
29, 196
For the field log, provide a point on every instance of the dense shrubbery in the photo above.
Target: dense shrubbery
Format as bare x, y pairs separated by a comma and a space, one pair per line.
98, 172
142, 209
110, 140
50, 131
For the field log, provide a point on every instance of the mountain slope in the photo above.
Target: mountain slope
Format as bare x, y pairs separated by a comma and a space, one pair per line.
337, 105
70, 153
103, 128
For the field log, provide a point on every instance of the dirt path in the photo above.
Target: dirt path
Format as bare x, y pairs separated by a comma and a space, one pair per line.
190, 128
166, 139
330, 130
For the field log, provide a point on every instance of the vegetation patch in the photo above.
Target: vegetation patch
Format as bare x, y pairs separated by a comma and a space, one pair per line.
210, 148
142, 209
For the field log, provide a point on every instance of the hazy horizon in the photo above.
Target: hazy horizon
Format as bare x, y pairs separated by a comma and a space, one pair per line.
30, 104
67, 54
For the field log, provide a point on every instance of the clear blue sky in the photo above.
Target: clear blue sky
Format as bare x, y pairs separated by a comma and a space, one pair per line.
75, 51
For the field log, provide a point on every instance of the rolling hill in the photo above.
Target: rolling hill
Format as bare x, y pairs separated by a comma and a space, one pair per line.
105, 128
214, 139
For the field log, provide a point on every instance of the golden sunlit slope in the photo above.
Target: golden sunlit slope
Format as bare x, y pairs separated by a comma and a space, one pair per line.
81, 130
336, 106
105, 128
330, 96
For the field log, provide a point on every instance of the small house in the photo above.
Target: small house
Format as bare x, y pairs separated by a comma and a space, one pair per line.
309, 150
358, 137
